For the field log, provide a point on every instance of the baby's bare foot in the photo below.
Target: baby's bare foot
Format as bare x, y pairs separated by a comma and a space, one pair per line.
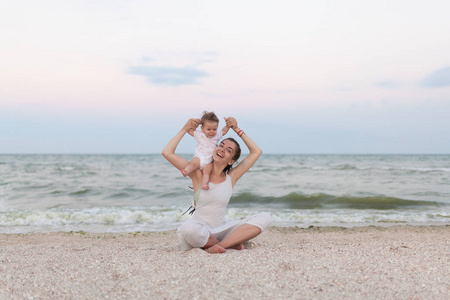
184, 172
205, 187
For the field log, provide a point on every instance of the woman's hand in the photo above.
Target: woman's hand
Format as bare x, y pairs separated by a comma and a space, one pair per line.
191, 125
169, 151
232, 123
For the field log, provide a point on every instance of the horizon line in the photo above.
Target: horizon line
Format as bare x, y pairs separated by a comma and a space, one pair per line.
187, 154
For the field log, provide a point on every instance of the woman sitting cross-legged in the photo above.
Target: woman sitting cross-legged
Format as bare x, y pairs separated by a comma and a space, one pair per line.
207, 229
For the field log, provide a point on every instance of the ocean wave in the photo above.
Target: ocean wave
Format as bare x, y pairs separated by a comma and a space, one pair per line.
350, 167
82, 192
126, 219
62, 169
119, 195
105, 216
350, 218
324, 201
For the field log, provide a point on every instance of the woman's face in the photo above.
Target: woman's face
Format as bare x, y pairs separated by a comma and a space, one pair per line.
225, 152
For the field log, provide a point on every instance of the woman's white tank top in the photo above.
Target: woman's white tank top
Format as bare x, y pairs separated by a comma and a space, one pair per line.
212, 203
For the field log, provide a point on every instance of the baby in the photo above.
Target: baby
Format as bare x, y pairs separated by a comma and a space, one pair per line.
207, 140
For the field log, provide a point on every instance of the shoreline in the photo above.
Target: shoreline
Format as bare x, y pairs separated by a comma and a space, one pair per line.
374, 262
327, 227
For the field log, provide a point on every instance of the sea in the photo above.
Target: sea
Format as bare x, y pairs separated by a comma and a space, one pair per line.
131, 193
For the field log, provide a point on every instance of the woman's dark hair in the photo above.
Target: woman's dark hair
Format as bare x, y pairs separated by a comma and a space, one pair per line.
236, 156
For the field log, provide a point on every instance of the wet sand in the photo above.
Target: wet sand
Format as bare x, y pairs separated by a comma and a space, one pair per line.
401, 262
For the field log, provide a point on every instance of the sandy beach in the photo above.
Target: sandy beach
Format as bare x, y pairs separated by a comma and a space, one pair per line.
401, 262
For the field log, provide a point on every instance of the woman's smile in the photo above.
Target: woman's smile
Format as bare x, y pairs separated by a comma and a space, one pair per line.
219, 154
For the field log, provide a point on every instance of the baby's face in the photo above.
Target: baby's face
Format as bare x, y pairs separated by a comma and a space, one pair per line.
209, 128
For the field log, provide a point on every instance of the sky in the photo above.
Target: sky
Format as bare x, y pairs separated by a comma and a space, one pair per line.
306, 77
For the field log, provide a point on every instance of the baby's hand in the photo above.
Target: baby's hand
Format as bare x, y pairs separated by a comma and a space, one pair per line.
231, 122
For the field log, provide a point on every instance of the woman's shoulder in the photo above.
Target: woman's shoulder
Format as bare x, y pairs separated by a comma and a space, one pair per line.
231, 177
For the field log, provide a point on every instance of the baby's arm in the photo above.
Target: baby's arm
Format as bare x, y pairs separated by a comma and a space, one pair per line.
225, 129
191, 132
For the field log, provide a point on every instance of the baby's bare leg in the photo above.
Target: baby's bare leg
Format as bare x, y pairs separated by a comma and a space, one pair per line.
193, 165
206, 173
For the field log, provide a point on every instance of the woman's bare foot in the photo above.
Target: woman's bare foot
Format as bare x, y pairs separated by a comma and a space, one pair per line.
215, 249
239, 247
205, 187
184, 172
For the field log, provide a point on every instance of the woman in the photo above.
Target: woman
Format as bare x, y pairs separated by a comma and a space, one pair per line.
207, 228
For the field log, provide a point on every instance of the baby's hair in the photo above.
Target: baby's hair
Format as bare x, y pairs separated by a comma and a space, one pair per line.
209, 116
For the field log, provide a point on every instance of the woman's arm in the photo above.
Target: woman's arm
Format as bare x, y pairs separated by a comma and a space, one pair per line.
246, 163
176, 160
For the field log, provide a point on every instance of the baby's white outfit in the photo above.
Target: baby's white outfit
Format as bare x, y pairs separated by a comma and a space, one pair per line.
205, 147
209, 218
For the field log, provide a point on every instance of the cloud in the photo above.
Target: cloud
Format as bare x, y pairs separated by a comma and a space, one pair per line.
437, 79
168, 75
146, 59
387, 84
205, 57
